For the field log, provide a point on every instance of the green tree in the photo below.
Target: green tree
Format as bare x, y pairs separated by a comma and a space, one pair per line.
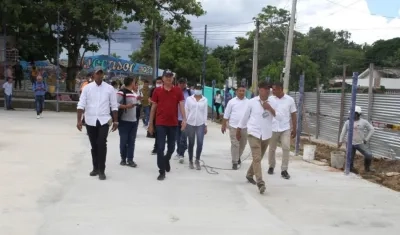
381, 50
183, 54
115, 55
85, 20
227, 57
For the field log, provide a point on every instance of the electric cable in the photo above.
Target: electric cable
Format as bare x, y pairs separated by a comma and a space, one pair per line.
212, 169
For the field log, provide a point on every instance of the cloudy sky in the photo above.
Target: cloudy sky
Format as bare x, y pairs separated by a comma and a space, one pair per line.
367, 20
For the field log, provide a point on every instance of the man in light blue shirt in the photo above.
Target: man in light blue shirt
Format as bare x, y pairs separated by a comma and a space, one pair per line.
181, 138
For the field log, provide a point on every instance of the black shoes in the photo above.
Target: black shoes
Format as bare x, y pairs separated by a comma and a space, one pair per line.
161, 177
251, 180
102, 176
234, 166
261, 187
367, 166
132, 163
94, 173
240, 162
154, 152
285, 175
167, 166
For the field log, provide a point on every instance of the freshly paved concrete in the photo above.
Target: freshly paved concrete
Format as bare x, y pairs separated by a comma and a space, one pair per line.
45, 190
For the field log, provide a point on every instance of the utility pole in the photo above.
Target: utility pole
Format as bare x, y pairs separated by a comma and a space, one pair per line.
158, 39
203, 77
370, 91
254, 76
58, 62
289, 48
284, 51
154, 50
5, 42
109, 39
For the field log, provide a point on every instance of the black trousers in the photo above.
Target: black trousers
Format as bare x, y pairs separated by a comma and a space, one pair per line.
98, 140
165, 134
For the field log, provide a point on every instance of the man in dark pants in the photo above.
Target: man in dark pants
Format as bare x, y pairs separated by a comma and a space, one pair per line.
165, 107
181, 138
96, 100
19, 75
158, 83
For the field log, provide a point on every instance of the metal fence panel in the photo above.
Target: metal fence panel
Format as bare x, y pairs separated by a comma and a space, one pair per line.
384, 143
385, 109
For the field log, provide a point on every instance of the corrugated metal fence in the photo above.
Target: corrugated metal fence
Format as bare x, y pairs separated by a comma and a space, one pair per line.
385, 110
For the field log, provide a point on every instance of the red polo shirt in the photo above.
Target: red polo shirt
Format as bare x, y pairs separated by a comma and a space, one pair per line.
167, 105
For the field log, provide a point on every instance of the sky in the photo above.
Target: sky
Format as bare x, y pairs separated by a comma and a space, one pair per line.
366, 20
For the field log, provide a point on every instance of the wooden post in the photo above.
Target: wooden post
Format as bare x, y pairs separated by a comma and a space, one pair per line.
341, 118
318, 110
370, 91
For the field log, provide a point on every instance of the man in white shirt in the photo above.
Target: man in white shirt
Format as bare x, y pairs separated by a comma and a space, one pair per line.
233, 113
96, 100
281, 131
258, 119
8, 90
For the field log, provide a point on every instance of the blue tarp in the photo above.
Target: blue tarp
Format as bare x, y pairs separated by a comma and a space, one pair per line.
117, 66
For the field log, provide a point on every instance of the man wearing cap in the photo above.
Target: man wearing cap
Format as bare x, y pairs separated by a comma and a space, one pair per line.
96, 100
165, 108
181, 138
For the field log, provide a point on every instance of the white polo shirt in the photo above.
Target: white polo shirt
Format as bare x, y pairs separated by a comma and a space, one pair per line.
257, 120
235, 110
286, 107
196, 111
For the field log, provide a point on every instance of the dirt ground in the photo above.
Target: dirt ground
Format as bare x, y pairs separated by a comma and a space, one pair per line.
382, 166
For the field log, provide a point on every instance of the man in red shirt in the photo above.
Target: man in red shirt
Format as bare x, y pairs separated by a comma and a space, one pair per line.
165, 108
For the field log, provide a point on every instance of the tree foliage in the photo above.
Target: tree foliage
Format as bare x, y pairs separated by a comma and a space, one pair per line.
83, 20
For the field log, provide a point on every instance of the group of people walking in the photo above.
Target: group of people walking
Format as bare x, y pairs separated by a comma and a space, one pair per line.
176, 117
178, 120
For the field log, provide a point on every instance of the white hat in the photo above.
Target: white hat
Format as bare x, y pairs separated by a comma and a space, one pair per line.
357, 110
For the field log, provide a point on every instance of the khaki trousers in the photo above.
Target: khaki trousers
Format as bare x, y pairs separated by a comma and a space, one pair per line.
237, 147
258, 148
283, 138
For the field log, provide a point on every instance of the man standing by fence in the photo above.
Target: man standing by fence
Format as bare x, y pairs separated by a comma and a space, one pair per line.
281, 132
233, 113
96, 99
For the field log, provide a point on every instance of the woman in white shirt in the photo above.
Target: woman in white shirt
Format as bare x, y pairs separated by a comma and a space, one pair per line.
196, 107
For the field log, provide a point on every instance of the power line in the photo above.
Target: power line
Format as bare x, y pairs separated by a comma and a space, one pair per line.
353, 9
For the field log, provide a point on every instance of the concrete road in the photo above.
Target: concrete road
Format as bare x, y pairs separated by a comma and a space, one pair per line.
45, 190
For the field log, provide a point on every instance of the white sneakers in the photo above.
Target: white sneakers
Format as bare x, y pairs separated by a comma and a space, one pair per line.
39, 116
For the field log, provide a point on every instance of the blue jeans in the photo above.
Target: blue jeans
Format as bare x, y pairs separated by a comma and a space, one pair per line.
146, 116
165, 134
7, 100
181, 140
195, 132
363, 149
127, 139
39, 103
